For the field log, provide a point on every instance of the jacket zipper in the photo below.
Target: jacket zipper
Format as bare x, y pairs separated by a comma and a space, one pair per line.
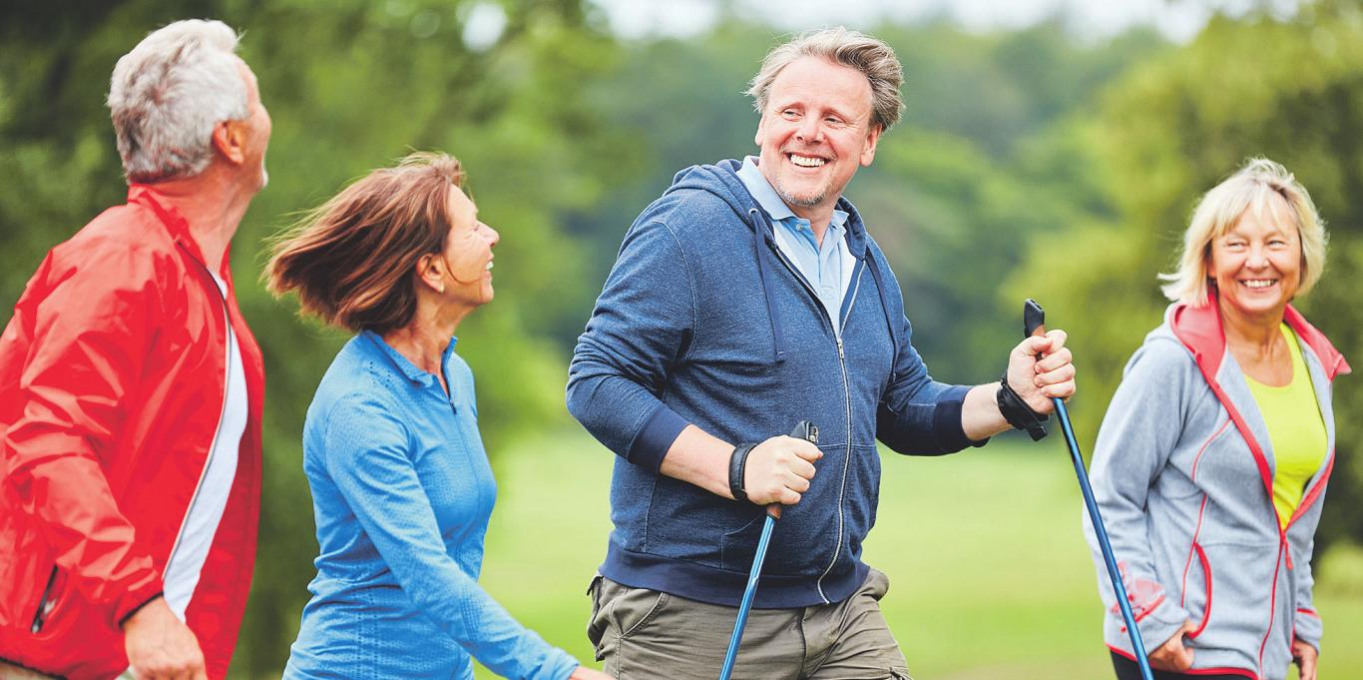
847, 398
45, 604
463, 440
846, 464
213, 444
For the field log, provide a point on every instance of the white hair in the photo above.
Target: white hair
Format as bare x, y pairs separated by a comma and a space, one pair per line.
167, 95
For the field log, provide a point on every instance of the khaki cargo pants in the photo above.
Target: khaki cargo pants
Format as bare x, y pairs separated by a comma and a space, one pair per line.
644, 634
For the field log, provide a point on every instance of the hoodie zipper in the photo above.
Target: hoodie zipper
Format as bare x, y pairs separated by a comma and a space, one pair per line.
847, 399
213, 444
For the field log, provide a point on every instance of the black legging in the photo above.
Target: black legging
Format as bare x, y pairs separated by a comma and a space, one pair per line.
1130, 670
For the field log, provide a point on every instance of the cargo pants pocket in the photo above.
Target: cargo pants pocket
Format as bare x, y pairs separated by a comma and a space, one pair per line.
617, 612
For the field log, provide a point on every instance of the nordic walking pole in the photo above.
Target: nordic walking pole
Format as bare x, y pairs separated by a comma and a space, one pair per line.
808, 432
1034, 323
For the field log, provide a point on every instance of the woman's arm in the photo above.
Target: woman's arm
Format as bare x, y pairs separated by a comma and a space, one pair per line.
366, 454
1139, 432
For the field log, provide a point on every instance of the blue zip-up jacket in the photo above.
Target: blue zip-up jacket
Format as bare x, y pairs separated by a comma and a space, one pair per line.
402, 493
702, 321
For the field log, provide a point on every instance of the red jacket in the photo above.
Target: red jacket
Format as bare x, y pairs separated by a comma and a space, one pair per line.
112, 381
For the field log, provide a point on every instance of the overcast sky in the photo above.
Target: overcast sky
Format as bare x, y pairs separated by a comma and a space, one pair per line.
1178, 19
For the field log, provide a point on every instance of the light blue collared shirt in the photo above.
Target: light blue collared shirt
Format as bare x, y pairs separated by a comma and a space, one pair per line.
828, 267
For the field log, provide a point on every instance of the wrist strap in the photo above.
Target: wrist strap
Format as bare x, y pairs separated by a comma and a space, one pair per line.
1018, 413
738, 462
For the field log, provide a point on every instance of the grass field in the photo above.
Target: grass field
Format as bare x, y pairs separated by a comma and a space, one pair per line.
990, 576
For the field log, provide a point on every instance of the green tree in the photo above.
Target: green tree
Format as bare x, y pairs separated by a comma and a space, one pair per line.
1168, 132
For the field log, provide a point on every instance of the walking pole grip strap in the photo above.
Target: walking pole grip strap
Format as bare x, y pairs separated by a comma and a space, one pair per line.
1014, 409
738, 463
1018, 413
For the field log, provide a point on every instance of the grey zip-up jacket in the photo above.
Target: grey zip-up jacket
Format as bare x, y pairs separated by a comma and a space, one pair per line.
1183, 474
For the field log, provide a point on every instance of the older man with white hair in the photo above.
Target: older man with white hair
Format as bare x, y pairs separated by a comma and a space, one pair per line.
131, 392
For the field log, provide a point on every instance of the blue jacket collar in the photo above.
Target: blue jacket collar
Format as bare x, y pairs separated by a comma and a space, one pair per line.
402, 364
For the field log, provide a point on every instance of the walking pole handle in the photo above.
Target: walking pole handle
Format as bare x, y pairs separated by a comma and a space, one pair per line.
1033, 319
809, 432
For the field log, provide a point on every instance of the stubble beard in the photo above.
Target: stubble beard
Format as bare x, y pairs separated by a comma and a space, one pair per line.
799, 201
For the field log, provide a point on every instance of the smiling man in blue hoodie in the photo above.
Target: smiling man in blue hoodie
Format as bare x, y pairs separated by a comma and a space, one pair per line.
747, 298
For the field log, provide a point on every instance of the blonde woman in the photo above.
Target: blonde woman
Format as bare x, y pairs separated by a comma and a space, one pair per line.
1211, 465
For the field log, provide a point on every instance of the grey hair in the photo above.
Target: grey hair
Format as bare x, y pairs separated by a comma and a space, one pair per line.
169, 92
1267, 189
868, 56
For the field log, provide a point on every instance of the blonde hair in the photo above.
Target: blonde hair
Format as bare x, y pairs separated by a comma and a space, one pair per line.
1254, 188
862, 53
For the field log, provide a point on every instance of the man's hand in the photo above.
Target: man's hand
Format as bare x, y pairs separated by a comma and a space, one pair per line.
779, 470
1037, 381
160, 646
1173, 655
584, 673
1305, 656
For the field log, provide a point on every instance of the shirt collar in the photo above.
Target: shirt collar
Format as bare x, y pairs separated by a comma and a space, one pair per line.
838, 223
762, 190
771, 202
404, 366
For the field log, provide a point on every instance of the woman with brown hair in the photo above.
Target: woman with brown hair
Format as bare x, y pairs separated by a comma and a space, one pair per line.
401, 486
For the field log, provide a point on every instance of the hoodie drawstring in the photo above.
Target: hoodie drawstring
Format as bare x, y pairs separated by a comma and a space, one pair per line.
778, 339
758, 232
890, 315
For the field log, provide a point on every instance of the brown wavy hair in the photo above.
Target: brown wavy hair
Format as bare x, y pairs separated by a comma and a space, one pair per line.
351, 260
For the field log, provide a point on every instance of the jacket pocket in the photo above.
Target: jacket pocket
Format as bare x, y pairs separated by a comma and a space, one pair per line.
1243, 605
1200, 556
860, 496
738, 548
47, 601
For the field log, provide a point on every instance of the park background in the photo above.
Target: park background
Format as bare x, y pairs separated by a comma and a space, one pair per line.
1044, 156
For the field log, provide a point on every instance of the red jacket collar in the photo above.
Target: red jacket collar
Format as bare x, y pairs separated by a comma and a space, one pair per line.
1199, 329
176, 224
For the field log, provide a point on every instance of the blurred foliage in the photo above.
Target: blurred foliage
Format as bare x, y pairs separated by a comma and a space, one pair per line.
1172, 129
1028, 164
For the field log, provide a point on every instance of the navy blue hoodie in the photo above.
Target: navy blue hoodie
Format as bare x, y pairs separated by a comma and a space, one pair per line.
703, 321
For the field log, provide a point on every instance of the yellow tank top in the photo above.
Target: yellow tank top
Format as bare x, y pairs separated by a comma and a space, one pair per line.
1296, 429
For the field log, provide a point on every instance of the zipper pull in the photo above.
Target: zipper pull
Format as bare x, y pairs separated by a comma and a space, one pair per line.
840, 356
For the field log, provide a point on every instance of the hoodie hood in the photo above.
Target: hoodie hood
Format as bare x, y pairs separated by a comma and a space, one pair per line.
721, 180
1199, 329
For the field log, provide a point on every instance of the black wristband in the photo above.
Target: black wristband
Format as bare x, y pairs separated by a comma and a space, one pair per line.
738, 462
1018, 413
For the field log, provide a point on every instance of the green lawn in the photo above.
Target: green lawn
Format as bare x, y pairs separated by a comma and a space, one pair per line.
990, 576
